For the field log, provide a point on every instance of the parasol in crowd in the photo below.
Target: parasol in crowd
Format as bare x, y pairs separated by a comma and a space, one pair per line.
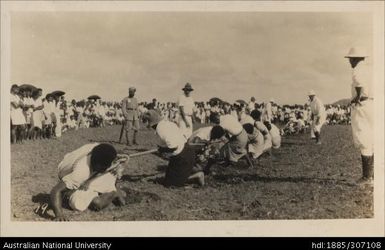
226, 103
27, 87
94, 97
80, 103
215, 100
58, 93
241, 101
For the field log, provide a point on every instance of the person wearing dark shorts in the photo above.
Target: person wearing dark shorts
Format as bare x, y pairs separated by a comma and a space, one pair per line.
180, 169
131, 115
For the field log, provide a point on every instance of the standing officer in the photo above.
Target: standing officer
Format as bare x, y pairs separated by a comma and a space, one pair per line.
131, 115
362, 112
318, 116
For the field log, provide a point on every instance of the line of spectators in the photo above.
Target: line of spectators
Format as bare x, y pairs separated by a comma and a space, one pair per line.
36, 117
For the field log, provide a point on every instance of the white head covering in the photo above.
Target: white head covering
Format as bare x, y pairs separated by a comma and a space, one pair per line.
311, 92
356, 52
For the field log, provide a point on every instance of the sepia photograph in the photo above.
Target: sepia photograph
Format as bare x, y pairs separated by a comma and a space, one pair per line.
250, 118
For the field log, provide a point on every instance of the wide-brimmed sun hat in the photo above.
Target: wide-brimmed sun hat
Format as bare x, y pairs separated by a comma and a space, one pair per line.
188, 87
311, 92
356, 52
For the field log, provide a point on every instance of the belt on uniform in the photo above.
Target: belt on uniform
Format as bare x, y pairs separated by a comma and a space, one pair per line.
131, 109
239, 133
364, 98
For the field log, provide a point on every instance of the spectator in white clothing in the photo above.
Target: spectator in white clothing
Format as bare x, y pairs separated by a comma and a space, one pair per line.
17, 117
318, 116
186, 106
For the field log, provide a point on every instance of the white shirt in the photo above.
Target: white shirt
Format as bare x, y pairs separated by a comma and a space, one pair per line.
267, 111
215, 109
317, 107
15, 98
38, 102
362, 77
202, 133
246, 119
29, 101
234, 113
79, 109
251, 106
187, 103
261, 127
80, 173
274, 131
71, 123
171, 136
274, 109
49, 107
230, 124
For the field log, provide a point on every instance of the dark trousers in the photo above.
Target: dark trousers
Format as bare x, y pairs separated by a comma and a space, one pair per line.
180, 167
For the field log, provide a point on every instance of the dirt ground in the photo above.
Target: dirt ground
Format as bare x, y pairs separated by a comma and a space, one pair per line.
301, 181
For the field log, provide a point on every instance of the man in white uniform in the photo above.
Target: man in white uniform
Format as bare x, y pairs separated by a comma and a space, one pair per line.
180, 169
235, 149
274, 134
251, 105
201, 135
186, 106
362, 111
267, 112
256, 116
318, 116
85, 181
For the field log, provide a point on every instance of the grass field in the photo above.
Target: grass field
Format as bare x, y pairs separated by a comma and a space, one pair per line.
302, 181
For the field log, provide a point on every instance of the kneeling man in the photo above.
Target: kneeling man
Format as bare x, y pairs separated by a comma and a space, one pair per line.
84, 180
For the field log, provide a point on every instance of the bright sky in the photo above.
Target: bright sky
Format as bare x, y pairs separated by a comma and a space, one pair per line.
227, 55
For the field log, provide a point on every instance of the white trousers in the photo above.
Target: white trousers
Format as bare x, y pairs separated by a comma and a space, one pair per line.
187, 132
81, 199
276, 141
362, 127
257, 147
316, 127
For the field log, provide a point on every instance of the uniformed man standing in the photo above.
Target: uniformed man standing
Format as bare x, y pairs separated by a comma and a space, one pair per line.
362, 112
131, 114
267, 115
186, 106
318, 116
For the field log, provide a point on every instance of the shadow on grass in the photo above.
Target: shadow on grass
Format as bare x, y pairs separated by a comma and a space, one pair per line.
239, 178
293, 143
161, 168
135, 196
122, 142
137, 178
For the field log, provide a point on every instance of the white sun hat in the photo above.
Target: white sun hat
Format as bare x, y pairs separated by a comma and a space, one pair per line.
311, 92
356, 52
